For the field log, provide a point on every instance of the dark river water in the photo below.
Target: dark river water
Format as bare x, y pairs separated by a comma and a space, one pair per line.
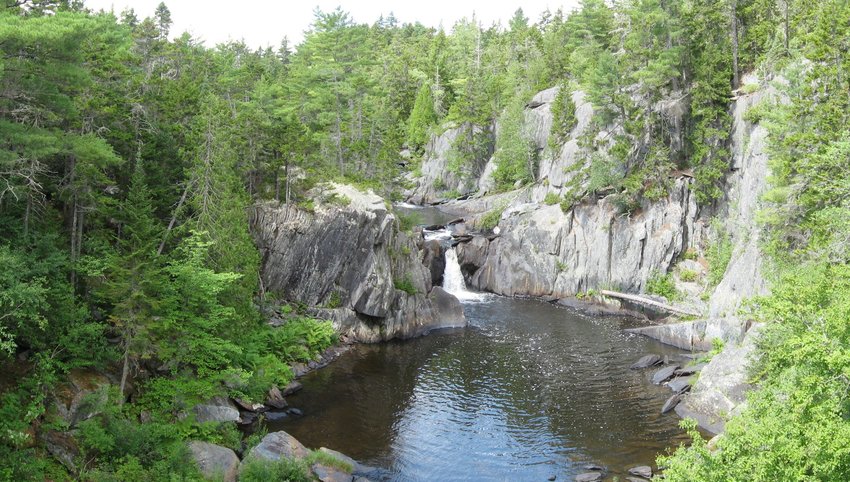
528, 391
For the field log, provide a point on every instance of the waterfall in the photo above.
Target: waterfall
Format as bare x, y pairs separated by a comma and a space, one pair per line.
453, 279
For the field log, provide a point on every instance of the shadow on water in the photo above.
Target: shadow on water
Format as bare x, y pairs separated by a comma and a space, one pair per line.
529, 390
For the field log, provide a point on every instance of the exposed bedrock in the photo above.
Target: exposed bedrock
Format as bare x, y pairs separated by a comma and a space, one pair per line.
349, 263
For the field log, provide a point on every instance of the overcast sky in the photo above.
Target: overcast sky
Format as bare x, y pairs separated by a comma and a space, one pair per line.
265, 22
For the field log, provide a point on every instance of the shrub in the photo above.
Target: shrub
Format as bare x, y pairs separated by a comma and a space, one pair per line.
551, 198
491, 219
718, 255
688, 275
662, 285
405, 284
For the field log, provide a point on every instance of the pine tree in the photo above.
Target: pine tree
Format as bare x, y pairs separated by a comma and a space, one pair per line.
422, 118
133, 275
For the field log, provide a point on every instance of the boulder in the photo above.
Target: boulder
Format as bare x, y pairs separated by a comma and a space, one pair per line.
644, 471
217, 409
291, 388
664, 374
216, 462
275, 446
330, 474
433, 259
680, 384
275, 398
447, 308
671, 403
249, 406
78, 398
589, 477
694, 335
63, 447
646, 362
689, 369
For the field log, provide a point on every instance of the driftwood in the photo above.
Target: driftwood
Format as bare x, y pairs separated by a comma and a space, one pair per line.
647, 301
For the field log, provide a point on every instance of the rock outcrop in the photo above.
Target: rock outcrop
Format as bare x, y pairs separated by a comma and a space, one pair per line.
348, 261
541, 251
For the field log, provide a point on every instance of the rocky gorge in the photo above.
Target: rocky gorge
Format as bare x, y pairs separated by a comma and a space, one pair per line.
544, 252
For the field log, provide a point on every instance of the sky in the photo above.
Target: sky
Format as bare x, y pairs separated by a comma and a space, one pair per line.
262, 23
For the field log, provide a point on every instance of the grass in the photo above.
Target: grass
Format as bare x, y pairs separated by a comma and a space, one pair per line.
551, 199
328, 460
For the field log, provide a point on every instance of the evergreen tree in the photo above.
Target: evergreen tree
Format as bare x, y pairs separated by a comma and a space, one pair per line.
421, 119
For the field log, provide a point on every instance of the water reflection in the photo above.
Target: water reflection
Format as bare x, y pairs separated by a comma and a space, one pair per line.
528, 391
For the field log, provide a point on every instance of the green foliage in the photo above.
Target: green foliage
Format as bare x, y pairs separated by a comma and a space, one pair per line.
551, 199
795, 425
491, 219
688, 275
662, 285
406, 222
405, 284
563, 118
422, 118
516, 154
718, 255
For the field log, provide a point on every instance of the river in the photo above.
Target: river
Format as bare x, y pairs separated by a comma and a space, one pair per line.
529, 390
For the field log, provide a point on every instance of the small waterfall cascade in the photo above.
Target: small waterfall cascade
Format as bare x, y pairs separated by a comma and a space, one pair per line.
452, 276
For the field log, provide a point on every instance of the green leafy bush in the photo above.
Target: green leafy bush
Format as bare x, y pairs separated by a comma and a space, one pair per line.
551, 199
662, 285
405, 284
491, 219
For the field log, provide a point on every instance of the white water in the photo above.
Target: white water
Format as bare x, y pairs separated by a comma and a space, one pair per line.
453, 279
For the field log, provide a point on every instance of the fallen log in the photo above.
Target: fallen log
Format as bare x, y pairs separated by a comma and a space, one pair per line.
646, 301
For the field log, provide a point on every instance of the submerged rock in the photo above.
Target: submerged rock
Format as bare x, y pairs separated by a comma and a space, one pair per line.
644, 471
215, 462
680, 384
671, 403
589, 477
664, 374
646, 362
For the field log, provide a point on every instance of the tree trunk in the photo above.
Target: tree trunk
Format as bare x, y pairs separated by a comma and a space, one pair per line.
733, 33
173, 220
787, 25
125, 370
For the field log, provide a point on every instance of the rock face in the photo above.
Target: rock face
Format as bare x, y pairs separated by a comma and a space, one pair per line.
695, 335
437, 177
721, 387
543, 252
347, 260
215, 462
